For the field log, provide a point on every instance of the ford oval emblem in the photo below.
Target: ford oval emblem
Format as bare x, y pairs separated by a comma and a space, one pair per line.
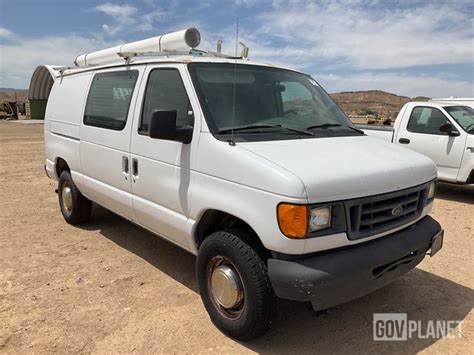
396, 211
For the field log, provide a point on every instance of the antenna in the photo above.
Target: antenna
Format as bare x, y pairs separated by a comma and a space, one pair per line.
231, 141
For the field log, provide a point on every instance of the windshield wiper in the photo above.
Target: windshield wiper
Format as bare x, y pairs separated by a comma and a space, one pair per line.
262, 125
324, 125
327, 125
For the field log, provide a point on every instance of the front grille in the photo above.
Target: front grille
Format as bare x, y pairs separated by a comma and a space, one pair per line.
377, 214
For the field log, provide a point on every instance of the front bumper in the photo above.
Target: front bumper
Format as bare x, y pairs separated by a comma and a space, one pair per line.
338, 276
50, 169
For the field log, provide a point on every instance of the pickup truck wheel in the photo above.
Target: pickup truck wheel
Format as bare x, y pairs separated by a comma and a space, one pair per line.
74, 206
235, 287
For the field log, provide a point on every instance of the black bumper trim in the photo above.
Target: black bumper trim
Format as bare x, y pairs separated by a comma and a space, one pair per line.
336, 277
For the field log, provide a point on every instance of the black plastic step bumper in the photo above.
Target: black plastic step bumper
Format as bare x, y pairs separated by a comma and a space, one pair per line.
338, 276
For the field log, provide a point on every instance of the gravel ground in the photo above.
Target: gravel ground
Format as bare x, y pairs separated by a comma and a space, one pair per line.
109, 286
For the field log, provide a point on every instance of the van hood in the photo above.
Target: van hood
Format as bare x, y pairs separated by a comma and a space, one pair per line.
339, 168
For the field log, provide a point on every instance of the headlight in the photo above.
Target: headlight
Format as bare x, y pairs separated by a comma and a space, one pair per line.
320, 218
296, 221
432, 190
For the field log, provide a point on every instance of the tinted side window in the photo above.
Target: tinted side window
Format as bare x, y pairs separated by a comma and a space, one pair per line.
426, 120
165, 91
109, 99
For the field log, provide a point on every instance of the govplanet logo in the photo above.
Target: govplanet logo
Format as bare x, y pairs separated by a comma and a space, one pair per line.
397, 327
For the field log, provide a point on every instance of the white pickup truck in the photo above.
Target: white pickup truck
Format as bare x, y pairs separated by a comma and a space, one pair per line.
443, 132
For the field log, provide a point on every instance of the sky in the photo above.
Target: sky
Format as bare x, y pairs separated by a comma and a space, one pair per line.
408, 47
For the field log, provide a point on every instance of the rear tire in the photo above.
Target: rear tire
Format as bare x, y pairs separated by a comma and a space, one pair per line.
75, 208
244, 314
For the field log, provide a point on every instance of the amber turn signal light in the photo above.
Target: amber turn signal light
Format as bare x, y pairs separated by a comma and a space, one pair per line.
293, 220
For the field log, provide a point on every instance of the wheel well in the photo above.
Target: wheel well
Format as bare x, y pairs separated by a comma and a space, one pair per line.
214, 221
61, 166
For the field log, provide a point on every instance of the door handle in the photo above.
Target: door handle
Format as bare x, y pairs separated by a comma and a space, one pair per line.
404, 141
125, 166
135, 167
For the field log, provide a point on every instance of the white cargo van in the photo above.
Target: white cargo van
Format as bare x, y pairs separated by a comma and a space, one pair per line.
251, 167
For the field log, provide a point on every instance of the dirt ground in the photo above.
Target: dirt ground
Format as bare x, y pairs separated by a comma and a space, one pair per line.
110, 286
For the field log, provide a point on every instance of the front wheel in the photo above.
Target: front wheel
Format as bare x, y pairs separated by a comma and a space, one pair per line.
234, 286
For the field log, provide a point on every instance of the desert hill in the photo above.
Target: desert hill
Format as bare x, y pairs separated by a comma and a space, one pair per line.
375, 103
8, 94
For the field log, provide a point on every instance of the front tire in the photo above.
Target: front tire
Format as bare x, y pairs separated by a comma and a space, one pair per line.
75, 208
234, 286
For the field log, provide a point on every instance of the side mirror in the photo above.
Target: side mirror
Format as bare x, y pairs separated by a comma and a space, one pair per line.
449, 130
163, 126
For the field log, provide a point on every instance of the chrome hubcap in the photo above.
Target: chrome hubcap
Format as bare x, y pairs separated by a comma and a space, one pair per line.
225, 287
67, 198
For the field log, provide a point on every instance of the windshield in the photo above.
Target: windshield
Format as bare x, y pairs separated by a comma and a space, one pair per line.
463, 115
261, 103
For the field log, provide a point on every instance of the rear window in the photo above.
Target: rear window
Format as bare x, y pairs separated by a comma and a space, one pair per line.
109, 99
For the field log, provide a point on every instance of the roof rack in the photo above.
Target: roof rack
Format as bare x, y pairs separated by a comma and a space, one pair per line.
127, 56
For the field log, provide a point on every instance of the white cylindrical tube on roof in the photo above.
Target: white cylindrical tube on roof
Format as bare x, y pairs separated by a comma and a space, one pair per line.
189, 38
99, 57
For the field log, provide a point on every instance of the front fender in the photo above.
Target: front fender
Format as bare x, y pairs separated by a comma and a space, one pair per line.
255, 207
